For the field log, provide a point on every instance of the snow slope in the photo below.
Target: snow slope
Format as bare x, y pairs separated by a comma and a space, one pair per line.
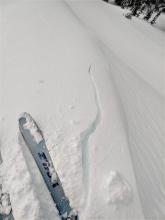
137, 70
93, 81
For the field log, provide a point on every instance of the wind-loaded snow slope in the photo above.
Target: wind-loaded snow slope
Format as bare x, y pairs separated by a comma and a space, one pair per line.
93, 81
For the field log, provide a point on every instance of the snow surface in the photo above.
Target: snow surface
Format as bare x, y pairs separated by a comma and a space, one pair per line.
52, 172
94, 83
32, 127
5, 205
160, 24
119, 189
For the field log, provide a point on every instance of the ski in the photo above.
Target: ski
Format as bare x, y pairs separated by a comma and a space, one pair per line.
35, 142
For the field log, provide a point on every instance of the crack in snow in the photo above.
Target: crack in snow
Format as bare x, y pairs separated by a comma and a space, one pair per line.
84, 139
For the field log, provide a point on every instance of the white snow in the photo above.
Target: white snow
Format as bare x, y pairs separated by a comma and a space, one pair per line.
94, 83
119, 191
31, 126
5, 205
160, 22
52, 172
65, 215
73, 213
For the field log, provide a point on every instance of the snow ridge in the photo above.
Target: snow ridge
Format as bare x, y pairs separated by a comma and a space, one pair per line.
84, 140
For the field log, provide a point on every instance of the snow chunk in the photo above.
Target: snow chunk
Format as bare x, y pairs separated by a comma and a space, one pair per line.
68, 160
5, 205
119, 191
52, 173
65, 215
32, 127
73, 213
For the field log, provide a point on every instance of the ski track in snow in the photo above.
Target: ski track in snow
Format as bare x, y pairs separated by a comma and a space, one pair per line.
84, 139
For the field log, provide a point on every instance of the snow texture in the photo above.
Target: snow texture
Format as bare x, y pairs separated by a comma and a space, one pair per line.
119, 191
5, 205
52, 172
31, 126
94, 83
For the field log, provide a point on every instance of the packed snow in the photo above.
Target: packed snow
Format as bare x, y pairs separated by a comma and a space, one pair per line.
119, 190
32, 127
5, 205
94, 83
52, 173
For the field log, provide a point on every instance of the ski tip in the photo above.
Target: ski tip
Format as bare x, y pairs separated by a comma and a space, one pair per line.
24, 115
26, 122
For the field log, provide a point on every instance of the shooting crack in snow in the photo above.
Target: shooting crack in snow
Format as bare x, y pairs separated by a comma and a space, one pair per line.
84, 139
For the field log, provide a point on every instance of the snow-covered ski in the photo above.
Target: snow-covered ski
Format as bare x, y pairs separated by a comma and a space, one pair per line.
34, 139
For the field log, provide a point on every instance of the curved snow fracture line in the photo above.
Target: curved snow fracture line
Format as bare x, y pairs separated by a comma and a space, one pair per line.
84, 140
